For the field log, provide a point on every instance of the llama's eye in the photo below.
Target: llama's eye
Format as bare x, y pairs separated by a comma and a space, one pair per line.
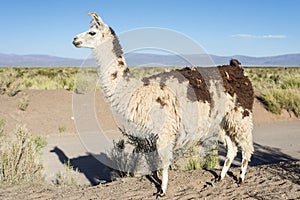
92, 33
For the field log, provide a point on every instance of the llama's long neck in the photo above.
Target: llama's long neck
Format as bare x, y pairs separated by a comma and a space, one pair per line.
112, 67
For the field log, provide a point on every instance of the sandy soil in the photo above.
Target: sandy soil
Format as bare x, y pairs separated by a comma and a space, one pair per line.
278, 181
51, 111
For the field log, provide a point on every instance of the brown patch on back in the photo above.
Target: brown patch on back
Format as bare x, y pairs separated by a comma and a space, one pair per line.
197, 83
197, 90
238, 84
164, 77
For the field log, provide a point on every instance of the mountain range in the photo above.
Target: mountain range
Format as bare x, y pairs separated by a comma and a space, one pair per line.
147, 59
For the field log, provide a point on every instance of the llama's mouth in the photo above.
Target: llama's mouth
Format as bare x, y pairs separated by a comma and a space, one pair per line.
77, 43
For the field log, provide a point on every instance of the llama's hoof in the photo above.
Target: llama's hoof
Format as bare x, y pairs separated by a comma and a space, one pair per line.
240, 182
159, 194
214, 183
219, 179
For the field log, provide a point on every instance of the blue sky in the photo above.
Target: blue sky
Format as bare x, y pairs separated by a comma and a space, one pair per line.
231, 27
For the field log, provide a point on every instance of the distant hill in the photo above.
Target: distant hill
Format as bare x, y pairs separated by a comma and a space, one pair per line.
36, 61
143, 59
208, 60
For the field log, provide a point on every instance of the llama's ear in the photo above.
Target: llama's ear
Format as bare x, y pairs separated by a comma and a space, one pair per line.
96, 20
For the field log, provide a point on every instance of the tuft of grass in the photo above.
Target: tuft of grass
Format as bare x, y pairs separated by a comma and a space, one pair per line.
193, 164
23, 102
2, 124
62, 129
68, 176
291, 83
20, 156
277, 99
211, 161
9, 82
86, 81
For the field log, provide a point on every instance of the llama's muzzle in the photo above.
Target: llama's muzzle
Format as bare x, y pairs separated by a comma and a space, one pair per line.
76, 43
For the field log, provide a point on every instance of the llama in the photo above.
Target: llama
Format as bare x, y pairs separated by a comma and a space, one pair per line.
192, 102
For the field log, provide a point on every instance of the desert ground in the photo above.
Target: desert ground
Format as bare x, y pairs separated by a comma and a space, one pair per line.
274, 172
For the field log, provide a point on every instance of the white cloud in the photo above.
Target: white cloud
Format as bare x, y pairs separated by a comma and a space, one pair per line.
250, 36
274, 36
243, 36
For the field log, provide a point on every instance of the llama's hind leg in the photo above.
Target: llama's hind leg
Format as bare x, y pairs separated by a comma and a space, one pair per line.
231, 153
247, 151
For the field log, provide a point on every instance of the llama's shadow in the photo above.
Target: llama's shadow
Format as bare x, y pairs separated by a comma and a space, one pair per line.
90, 165
97, 172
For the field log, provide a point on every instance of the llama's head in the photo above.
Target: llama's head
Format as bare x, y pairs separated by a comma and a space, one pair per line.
96, 35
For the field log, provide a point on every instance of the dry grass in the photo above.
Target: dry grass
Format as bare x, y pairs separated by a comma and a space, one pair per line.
275, 100
68, 176
20, 156
9, 82
23, 102
39, 78
279, 88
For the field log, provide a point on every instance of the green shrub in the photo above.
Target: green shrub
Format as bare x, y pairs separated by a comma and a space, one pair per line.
193, 164
277, 99
211, 161
20, 157
271, 101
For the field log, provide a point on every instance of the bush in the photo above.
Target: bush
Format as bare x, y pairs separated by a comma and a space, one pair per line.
291, 83
68, 176
277, 99
193, 164
23, 102
86, 81
211, 161
20, 156
9, 82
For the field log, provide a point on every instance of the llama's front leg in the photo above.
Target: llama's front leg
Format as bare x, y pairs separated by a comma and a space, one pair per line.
164, 182
231, 153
